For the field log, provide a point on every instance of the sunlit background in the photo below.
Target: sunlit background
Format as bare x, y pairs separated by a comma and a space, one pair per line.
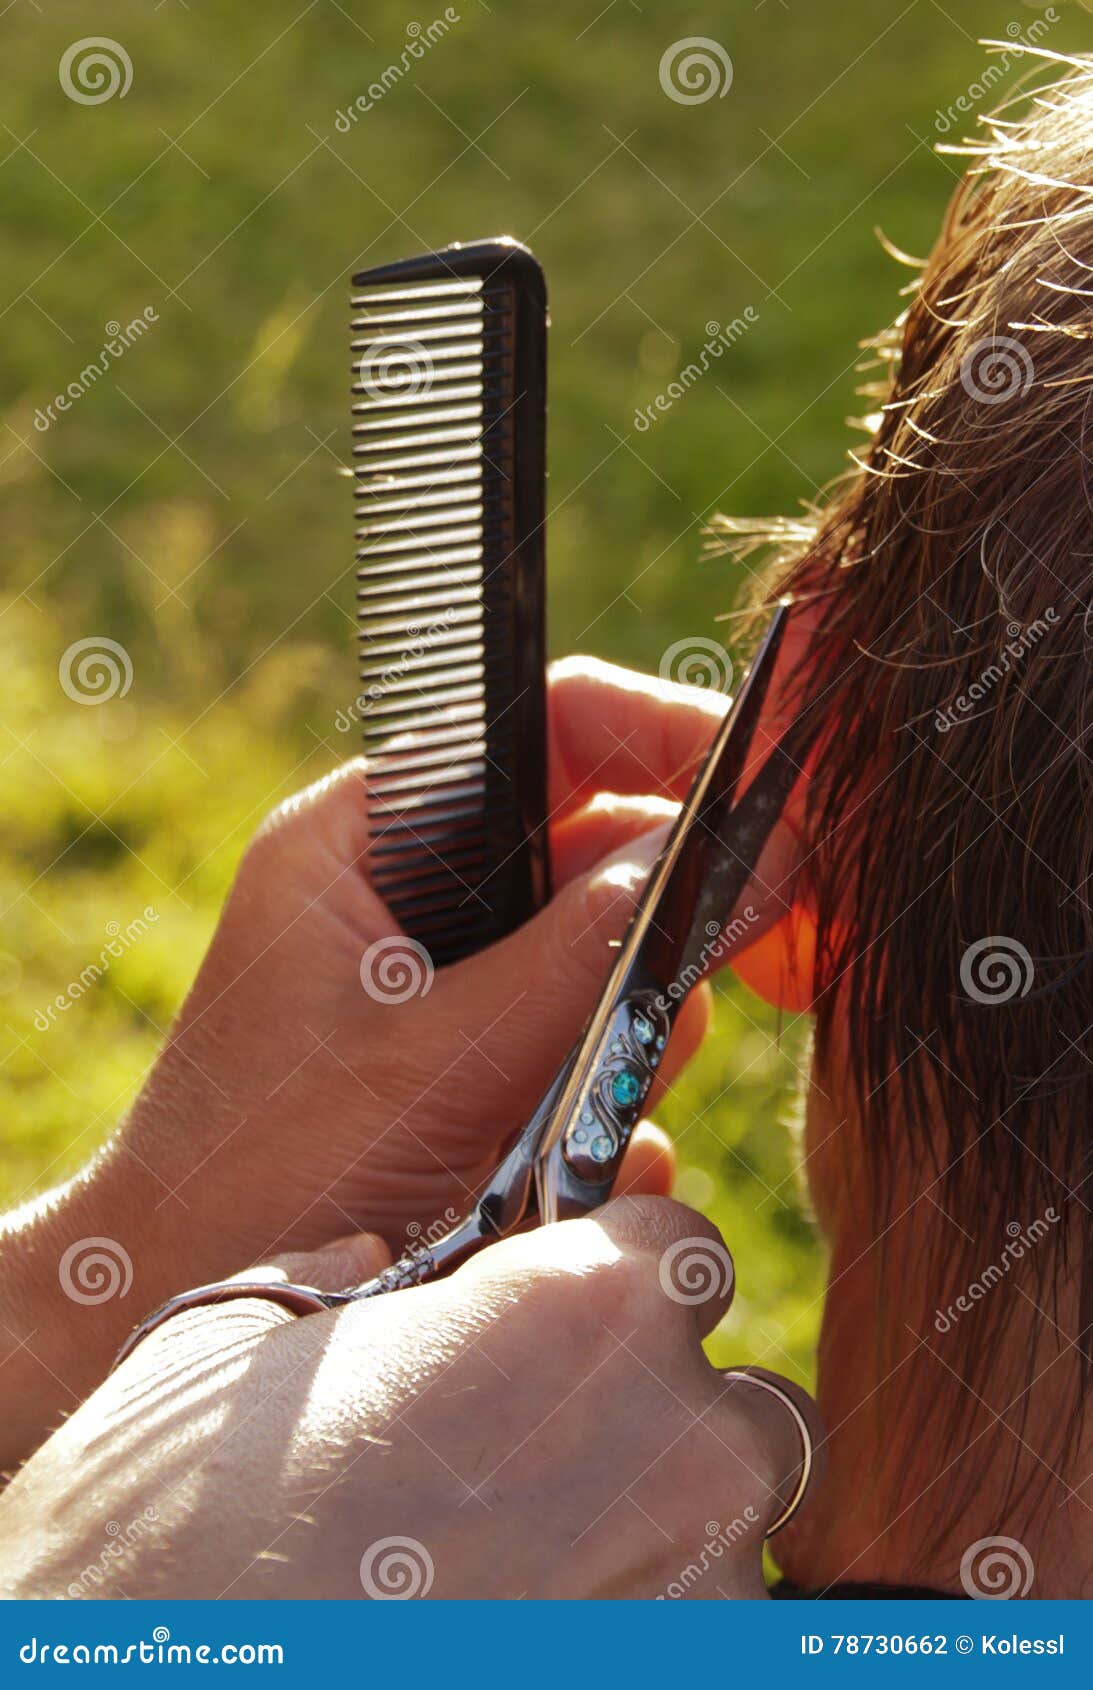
189, 507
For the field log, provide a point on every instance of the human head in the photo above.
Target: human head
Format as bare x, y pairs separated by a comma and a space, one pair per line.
947, 584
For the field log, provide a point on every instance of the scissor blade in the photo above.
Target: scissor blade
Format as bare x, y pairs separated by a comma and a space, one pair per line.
713, 849
729, 841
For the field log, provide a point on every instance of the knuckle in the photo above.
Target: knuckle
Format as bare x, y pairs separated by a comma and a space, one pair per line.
573, 1281
331, 814
687, 1263
338, 796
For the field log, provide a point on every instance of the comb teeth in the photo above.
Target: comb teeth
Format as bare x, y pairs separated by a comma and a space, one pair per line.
448, 449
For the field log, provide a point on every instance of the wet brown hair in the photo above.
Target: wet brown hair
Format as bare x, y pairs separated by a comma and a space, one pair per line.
950, 818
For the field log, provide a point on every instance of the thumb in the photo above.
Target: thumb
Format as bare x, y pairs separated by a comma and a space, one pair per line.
526, 998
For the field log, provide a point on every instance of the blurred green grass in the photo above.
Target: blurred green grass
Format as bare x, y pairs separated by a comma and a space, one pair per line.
189, 504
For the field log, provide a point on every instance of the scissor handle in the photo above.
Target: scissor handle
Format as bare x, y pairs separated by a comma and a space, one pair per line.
507, 1202
581, 1155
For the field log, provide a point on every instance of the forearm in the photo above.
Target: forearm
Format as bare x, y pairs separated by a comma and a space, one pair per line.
78, 1268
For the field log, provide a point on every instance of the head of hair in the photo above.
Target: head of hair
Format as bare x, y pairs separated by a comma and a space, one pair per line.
950, 810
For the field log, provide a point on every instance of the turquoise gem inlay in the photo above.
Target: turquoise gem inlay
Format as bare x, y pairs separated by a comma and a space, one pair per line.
580, 1136
644, 1031
601, 1149
625, 1088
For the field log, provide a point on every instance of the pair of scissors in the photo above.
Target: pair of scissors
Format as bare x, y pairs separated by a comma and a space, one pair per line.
564, 1162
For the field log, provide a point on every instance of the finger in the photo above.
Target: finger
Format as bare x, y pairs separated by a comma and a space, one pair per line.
337, 1266
612, 729
607, 823
331, 811
533, 990
307, 862
497, 1025
649, 1166
210, 1335
684, 1254
217, 1326
670, 1263
781, 1448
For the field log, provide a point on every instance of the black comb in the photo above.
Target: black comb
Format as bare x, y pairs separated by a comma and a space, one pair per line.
449, 448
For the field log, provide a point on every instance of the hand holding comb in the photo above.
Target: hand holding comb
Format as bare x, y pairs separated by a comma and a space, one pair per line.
449, 447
